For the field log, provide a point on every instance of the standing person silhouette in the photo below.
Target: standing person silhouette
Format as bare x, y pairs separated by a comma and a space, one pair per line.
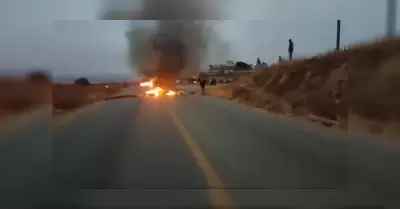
202, 82
290, 49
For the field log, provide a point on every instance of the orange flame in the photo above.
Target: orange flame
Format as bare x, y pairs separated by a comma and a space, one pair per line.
156, 91
171, 93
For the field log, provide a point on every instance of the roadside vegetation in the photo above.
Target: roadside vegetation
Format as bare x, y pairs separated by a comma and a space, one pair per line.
21, 94
71, 96
357, 89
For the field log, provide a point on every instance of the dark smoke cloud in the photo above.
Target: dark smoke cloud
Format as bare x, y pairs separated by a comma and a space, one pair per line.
178, 44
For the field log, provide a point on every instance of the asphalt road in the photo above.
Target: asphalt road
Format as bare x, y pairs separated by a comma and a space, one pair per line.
192, 152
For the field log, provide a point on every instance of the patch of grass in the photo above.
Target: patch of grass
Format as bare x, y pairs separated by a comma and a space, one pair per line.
71, 96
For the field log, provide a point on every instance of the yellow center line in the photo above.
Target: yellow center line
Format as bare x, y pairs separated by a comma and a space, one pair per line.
59, 121
218, 195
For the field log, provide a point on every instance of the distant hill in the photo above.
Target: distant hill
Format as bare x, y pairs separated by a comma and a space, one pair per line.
94, 78
57, 78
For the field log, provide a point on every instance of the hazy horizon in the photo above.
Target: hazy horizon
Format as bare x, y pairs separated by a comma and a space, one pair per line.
70, 78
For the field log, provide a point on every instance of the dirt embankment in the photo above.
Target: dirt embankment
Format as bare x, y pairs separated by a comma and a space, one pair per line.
356, 90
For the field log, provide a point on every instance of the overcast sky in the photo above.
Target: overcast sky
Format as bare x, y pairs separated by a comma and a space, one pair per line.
64, 35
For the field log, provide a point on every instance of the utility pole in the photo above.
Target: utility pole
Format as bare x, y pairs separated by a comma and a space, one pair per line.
338, 25
391, 18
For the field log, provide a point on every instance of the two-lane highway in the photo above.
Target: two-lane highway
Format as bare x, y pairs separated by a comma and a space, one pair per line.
189, 151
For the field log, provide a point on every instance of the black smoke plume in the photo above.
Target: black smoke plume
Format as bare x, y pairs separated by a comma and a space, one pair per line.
177, 45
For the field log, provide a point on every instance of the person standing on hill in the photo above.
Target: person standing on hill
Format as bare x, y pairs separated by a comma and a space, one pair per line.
290, 49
